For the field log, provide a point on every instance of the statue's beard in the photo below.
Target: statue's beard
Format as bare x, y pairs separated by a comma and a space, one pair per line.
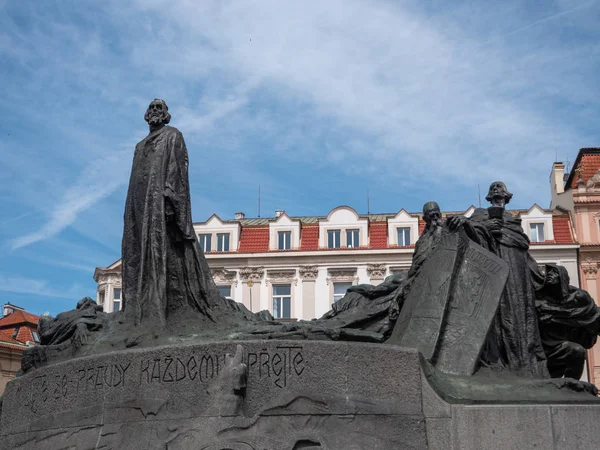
155, 119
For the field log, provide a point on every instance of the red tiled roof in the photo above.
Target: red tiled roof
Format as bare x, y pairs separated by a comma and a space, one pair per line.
378, 235
12, 346
589, 163
254, 240
562, 229
309, 239
24, 334
19, 317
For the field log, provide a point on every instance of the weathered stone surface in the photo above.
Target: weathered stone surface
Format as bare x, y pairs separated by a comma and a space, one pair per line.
575, 427
439, 433
499, 427
296, 393
290, 395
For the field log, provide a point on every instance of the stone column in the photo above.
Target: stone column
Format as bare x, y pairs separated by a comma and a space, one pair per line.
376, 273
251, 280
308, 274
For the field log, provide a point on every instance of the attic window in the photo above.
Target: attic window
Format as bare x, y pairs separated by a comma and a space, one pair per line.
16, 332
36, 336
537, 232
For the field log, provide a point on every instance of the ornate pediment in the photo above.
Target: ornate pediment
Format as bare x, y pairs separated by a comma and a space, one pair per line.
308, 272
224, 276
590, 265
251, 273
342, 274
376, 271
281, 276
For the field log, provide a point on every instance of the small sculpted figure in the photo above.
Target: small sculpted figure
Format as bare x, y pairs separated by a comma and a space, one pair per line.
68, 330
164, 269
514, 338
71, 326
430, 236
376, 308
569, 323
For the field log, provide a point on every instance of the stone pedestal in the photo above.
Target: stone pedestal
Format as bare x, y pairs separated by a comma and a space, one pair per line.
297, 395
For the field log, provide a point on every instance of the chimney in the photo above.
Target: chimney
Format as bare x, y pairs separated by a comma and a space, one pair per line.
9, 309
240, 216
557, 179
279, 212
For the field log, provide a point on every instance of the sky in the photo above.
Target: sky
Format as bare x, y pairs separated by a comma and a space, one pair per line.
318, 102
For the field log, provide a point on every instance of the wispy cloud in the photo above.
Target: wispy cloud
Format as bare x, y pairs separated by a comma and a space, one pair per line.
91, 186
23, 285
392, 78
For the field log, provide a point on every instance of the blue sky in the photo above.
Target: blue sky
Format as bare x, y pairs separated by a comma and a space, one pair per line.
316, 101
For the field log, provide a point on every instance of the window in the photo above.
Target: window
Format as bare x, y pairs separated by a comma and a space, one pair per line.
101, 298
352, 238
36, 337
16, 332
339, 290
403, 237
205, 242
116, 299
284, 240
333, 239
537, 232
282, 300
223, 242
225, 291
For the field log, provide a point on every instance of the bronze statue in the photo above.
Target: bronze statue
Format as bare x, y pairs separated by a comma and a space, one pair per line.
164, 269
569, 322
514, 339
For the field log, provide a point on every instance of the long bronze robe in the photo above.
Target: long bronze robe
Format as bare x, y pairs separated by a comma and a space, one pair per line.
514, 340
164, 268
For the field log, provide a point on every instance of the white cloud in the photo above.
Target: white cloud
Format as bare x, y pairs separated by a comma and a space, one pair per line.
23, 285
97, 181
417, 91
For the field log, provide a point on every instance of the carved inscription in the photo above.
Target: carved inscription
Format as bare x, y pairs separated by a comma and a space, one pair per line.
101, 377
285, 362
277, 365
173, 370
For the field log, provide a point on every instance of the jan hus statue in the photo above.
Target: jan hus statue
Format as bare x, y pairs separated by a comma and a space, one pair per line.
164, 269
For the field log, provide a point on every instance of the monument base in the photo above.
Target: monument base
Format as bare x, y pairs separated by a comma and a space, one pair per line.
290, 395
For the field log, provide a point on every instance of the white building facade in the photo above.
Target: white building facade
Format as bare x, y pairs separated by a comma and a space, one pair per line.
296, 267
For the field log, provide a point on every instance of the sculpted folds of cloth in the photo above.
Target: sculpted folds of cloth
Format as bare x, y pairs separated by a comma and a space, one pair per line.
164, 269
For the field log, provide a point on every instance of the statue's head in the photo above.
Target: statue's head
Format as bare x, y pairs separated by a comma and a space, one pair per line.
431, 212
157, 113
498, 191
552, 275
557, 280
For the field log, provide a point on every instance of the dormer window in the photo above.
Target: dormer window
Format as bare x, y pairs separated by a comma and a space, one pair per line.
16, 333
352, 238
537, 232
403, 236
333, 238
222, 242
36, 337
284, 240
205, 242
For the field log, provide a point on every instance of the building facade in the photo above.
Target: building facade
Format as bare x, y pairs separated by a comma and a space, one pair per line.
296, 267
578, 191
18, 330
